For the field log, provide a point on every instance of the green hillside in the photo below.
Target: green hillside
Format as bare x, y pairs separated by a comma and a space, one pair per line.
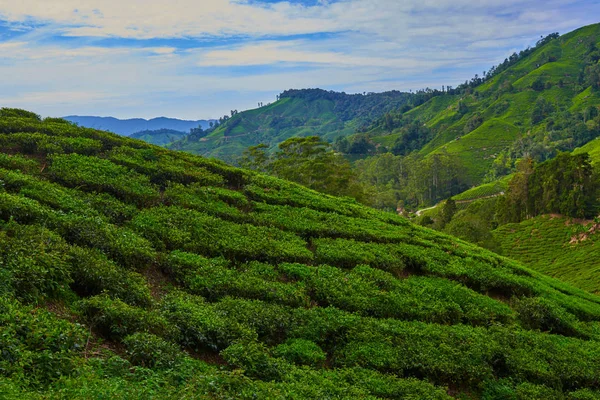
160, 137
593, 149
537, 102
297, 113
130, 271
560, 247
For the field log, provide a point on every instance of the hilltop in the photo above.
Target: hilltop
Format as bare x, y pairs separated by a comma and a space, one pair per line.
127, 127
131, 271
296, 113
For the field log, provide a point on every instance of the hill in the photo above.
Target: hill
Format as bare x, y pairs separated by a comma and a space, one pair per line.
130, 271
593, 149
538, 102
127, 127
160, 137
297, 113
561, 247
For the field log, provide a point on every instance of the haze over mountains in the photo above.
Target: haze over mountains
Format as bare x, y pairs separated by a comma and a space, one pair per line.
127, 127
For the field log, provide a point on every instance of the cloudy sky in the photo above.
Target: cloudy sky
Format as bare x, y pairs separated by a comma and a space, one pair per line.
201, 58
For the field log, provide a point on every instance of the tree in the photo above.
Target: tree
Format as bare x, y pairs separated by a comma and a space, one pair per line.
448, 211
256, 158
308, 161
513, 206
592, 76
541, 110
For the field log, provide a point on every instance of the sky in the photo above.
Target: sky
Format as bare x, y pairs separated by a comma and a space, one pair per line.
198, 59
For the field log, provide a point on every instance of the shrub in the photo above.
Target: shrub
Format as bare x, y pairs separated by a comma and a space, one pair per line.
216, 278
94, 274
537, 313
150, 351
162, 167
120, 244
37, 347
198, 326
115, 319
95, 174
256, 361
18, 162
301, 352
35, 261
176, 228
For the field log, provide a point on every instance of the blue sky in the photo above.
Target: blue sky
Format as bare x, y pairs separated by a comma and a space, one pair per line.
200, 59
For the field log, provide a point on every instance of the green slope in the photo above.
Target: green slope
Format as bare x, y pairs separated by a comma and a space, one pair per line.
554, 246
298, 113
592, 148
160, 137
554, 71
130, 271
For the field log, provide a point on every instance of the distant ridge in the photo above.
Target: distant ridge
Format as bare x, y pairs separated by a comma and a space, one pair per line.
126, 127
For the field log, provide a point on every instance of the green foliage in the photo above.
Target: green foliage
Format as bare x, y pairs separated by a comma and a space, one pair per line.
545, 315
176, 228
94, 274
91, 173
301, 352
37, 347
297, 113
546, 244
115, 319
565, 185
34, 261
308, 161
150, 351
214, 282
256, 361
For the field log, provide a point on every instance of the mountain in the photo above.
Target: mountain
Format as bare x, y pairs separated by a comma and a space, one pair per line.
537, 102
127, 127
160, 137
131, 271
306, 112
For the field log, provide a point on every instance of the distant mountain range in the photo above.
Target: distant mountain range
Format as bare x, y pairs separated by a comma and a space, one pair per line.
127, 127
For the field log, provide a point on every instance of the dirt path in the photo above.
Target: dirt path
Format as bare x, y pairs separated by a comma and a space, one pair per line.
419, 212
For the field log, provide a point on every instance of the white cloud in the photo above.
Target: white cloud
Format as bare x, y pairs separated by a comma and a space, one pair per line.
356, 45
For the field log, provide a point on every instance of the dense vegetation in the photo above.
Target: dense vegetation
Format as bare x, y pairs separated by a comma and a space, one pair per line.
543, 215
566, 185
308, 161
297, 113
130, 271
536, 104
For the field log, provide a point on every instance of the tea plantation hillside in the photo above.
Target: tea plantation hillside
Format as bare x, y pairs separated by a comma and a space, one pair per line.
297, 113
543, 100
593, 149
561, 247
130, 272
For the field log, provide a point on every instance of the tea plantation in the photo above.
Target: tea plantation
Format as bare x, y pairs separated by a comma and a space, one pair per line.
133, 272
